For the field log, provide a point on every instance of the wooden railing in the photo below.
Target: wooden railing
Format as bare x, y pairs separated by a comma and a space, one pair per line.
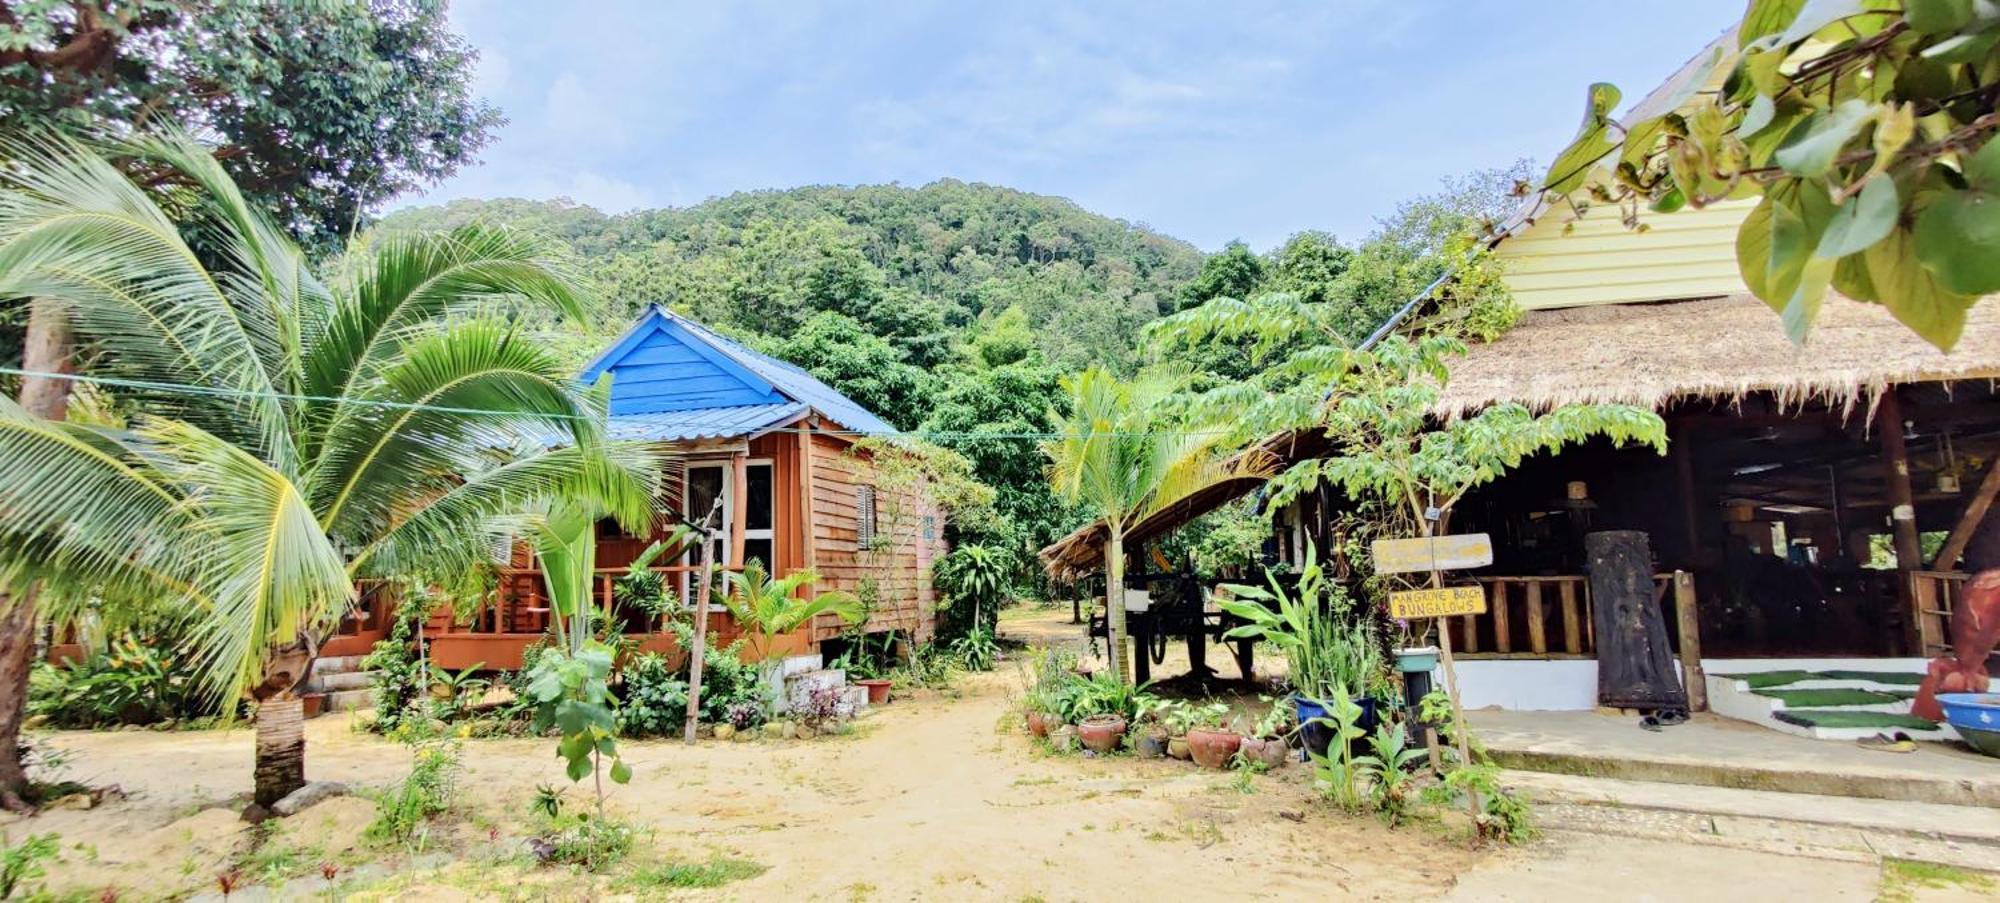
1934, 595
521, 603
1539, 617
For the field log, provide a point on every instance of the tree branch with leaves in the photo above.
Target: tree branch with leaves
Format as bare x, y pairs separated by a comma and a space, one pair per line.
1865, 130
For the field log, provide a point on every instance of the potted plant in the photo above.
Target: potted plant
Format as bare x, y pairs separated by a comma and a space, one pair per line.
1101, 733
1267, 742
1150, 728
1210, 743
1327, 645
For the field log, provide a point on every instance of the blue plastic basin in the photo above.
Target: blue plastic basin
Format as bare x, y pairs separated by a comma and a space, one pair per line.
1976, 718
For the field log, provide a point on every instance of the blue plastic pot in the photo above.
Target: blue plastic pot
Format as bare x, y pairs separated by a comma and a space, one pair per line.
1976, 718
1319, 737
1419, 660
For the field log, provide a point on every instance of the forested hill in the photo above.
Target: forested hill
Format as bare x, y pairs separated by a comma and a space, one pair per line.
923, 268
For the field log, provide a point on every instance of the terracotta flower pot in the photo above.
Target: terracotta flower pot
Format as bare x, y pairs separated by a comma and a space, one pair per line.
1273, 753
1177, 748
878, 690
1212, 747
1038, 724
1101, 733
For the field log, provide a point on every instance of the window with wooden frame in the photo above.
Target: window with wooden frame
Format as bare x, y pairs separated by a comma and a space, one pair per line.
864, 517
760, 513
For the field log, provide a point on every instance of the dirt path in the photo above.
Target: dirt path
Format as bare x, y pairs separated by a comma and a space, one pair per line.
932, 797
928, 797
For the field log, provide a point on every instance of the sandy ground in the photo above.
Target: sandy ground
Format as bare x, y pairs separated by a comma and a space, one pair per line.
932, 797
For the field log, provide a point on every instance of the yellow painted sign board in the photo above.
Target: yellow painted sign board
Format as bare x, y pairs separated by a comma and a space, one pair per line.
1436, 553
1437, 603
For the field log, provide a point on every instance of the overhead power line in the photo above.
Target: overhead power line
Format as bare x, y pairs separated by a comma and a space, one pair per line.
247, 394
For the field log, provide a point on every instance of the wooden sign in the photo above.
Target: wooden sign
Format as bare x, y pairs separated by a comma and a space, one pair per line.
1437, 603
1436, 553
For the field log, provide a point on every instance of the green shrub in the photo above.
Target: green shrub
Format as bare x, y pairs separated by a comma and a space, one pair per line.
400, 680
972, 582
727, 682
23, 864
977, 650
655, 701
142, 678
590, 842
403, 812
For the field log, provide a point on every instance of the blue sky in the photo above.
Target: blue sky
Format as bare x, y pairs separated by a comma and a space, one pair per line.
1203, 121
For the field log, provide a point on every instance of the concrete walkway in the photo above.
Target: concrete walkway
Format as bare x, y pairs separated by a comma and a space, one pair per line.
1721, 752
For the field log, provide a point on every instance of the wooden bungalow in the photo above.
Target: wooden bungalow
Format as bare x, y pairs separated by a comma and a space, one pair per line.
1819, 503
778, 447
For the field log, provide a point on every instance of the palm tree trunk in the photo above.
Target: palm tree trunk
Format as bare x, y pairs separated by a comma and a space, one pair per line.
281, 748
1114, 605
46, 350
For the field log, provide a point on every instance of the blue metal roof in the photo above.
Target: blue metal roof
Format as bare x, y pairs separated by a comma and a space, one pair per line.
707, 423
679, 379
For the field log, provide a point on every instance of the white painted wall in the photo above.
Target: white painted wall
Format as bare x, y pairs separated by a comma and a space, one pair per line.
1534, 685
1570, 685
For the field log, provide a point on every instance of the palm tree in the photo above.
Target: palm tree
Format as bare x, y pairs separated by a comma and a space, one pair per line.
1122, 454
297, 437
768, 608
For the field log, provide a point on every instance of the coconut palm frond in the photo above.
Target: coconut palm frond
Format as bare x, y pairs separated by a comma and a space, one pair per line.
413, 281
76, 232
460, 526
274, 574
443, 401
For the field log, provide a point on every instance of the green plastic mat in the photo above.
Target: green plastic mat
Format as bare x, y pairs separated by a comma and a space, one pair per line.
1759, 680
1830, 698
1902, 678
1843, 718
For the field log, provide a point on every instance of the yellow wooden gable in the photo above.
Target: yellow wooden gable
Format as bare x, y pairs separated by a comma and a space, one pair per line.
1563, 260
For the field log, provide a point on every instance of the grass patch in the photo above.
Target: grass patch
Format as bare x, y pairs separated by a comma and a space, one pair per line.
1839, 718
715, 872
1902, 877
1829, 698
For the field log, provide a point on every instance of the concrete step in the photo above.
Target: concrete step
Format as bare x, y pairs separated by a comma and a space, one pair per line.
800, 685
1829, 827
339, 680
1724, 752
337, 664
347, 700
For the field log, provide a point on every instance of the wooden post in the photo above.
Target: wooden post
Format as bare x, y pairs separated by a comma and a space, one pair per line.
1687, 620
1503, 635
1572, 620
808, 518
1683, 454
1538, 630
1458, 731
701, 593
1903, 510
1930, 625
740, 491
1975, 511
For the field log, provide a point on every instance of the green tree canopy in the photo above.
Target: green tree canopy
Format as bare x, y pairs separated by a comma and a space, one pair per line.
320, 110
858, 364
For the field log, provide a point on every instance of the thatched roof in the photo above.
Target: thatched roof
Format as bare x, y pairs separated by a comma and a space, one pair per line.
1712, 348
